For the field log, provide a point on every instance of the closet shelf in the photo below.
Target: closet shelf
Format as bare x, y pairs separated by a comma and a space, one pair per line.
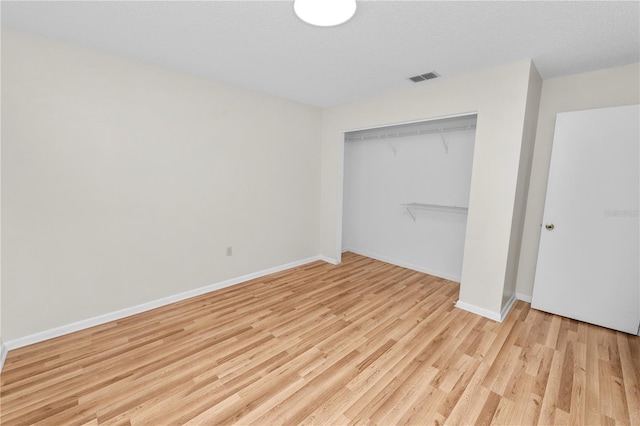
440, 130
437, 207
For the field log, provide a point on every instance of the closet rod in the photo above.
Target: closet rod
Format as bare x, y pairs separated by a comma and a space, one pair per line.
414, 133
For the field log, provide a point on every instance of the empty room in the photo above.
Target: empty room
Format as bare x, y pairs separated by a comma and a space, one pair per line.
320, 212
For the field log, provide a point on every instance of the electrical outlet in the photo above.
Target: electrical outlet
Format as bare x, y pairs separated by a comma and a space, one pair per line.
229, 251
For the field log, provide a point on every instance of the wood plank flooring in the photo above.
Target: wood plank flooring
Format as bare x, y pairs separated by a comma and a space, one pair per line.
364, 342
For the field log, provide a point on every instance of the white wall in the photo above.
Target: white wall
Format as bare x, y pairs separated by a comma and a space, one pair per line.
598, 89
378, 181
499, 96
123, 183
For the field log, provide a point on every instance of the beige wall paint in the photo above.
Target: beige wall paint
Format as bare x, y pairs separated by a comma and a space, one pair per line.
499, 96
598, 89
524, 173
123, 183
1, 345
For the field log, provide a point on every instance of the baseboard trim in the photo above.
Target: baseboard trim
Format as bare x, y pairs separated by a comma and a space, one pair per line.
523, 297
406, 265
133, 310
507, 308
495, 316
328, 260
3, 355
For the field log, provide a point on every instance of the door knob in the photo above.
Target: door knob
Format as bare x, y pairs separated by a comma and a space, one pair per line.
549, 226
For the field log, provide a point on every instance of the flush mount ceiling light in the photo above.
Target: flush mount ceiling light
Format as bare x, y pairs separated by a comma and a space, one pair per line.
325, 13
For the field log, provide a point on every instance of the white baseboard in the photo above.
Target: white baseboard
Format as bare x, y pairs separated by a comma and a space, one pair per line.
406, 265
495, 316
123, 313
523, 297
328, 260
479, 311
3, 355
507, 308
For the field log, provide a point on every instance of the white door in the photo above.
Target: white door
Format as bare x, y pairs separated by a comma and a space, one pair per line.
588, 267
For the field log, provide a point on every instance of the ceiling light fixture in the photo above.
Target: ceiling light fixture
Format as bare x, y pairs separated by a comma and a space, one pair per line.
325, 13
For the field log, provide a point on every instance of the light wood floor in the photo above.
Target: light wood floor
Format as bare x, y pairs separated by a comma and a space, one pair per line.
363, 342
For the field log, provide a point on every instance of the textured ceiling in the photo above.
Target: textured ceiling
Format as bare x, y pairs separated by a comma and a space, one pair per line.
262, 46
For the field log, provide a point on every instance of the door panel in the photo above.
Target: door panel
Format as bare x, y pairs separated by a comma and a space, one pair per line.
588, 267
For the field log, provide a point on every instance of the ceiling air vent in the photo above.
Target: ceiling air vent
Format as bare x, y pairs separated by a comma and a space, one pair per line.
423, 77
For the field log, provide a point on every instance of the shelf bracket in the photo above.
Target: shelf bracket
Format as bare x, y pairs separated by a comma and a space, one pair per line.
411, 213
393, 148
444, 142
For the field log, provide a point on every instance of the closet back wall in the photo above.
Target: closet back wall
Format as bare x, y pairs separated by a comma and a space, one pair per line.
123, 183
380, 175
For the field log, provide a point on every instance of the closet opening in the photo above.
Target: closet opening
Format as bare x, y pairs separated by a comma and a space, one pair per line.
406, 193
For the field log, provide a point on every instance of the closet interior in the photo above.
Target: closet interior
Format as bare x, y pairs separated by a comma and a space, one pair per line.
406, 193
